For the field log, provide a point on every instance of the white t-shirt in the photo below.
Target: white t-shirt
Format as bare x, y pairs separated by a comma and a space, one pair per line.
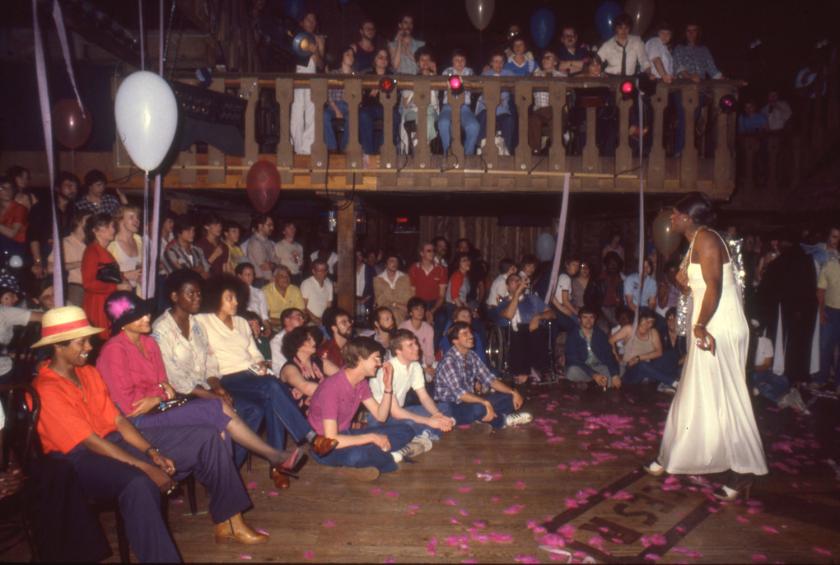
317, 297
10, 316
257, 302
564, 282
290, 255
655, 48
405, 378
498, 291
277, 357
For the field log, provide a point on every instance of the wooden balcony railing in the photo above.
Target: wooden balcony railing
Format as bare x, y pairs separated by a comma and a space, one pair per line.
706, 162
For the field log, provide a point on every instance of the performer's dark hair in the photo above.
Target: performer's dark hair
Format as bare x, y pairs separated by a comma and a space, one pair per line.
698, 207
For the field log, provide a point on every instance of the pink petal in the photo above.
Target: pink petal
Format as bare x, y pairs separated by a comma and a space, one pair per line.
390, 559
309, 555
392, 494
464, 490
519, 485
262, 531
822, 551
245, 556
252, 485
273, 493
515, 509
458, 477
431, 547
376, 491
328, 523
526, 559
450, 502
770, 529
759, 557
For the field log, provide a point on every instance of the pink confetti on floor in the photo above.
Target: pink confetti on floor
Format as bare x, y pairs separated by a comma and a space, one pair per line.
262, 531
390, 559
742, 520
431, 547
450, 502
520, 485
622, 495
496, 537
328, 523
759, 558
652, 557
553, 540
412, 509
822, 551
273, 493
376, 491
526, 559
567, 531
309, 555
515, 509
464, 490
770, 529
252, 485
458, 477
392, 494
245, 557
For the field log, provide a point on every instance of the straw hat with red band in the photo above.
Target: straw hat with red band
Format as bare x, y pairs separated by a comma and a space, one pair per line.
64, 324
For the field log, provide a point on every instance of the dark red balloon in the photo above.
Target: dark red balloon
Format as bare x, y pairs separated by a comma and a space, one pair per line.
72, 127
263, 185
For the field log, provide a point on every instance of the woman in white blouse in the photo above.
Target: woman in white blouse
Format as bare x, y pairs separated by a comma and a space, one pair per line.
244, 372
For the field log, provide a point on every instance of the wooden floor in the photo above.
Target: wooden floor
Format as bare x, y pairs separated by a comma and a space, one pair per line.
571, 481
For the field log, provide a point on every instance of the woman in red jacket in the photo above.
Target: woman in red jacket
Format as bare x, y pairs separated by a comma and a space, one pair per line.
99, 232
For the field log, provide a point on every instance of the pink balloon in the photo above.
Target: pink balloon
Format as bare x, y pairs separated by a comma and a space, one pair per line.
72, 127
263, 186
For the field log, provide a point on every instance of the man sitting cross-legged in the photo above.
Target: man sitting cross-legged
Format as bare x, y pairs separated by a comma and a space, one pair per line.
426, 419
456, 374
589, 355
363, 453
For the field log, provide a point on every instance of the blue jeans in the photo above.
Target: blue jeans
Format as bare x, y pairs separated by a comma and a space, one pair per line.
329, 132
371, 139
829, 340
468, 123
504, 123
770, 385
369, 455
648, 370
467, 412
258, 398
444, 407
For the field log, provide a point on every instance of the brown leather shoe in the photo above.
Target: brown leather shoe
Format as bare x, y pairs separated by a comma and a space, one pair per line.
323, 445
236, 530
281, 479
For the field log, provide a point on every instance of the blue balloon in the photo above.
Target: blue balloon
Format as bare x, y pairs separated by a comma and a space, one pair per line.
294, 9
605, 14
543, 24
343, 2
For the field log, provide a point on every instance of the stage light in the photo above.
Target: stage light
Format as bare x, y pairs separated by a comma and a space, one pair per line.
456, 85
628, 89
728, 103
387, 85
303, 44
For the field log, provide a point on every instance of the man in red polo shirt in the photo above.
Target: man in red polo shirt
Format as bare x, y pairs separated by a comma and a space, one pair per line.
429, 280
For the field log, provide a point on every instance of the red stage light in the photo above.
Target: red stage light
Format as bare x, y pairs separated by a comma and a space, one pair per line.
456, 85
387, 85
627, 88
727, 103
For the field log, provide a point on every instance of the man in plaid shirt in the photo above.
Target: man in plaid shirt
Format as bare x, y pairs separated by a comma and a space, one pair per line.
455, 381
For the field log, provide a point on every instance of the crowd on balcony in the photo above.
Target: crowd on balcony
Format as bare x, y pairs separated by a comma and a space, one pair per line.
623, 55
245, 332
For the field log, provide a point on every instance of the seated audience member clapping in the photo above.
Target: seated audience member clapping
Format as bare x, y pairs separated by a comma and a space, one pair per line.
304, 370
588, 353
132, 366
79, 423
455, 379
363, 453
244, 374
426, 419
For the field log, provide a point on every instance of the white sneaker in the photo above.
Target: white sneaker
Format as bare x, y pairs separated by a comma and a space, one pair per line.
415, 447
666, 389
518, 419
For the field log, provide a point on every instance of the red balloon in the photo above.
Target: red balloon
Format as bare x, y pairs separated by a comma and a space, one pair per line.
72, 127
263, 185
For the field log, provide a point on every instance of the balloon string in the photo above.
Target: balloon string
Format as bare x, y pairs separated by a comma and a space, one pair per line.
58, 17
152, 243
641, 209
46, 120
142, 37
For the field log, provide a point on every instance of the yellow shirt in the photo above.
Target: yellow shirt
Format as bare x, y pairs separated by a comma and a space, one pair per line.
829, 281
277, 303
235, 255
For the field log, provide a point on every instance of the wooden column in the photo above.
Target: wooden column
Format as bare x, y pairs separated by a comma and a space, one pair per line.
284, 92
623, 153
422, 96
523, 100
492, 95
456, 148
724, 162
318, 161
353, 96
590, 150
388, 152
346, 249
252, 148
688, 162
656, 160
215, 156
557, 99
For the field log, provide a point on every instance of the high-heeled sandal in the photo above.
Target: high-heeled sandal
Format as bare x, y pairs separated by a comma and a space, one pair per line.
289, 468
742, 485
654, 468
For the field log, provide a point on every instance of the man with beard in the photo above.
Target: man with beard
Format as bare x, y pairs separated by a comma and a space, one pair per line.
340, 326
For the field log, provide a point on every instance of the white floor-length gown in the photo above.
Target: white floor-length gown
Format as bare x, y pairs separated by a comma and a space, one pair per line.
711, 427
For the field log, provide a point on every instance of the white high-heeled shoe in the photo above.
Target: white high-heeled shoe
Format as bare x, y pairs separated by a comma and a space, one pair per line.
654, 468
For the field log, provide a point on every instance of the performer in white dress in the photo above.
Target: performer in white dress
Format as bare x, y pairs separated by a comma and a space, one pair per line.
711, 427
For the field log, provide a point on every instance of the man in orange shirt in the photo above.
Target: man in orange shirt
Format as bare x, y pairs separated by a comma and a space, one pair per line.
79, 423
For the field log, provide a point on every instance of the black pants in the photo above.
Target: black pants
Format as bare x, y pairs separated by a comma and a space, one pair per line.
528, 350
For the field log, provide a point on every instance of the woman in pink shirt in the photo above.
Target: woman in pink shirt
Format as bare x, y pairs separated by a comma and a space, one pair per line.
424, 332
132, 366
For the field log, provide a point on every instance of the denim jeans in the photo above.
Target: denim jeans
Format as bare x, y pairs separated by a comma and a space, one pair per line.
829, 340
444, 407
504, 123
467, 412
329, 132
369, 455
371, 139
258, 398
770, 385
645, 371
468, 123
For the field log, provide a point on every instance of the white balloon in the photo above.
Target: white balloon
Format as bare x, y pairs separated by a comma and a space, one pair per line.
15, 262
147, 117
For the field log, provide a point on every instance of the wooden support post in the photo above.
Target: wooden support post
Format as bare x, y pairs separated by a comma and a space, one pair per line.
724, 162
590, 150
557, 99
456, 148
688, 162
388, 152
422, 96
623, 153
492, 96
346, 266
353, 96
252, 148
523, 99
284, 92
318, 93
656, 160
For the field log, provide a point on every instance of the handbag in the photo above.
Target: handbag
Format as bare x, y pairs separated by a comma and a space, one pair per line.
109, 273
